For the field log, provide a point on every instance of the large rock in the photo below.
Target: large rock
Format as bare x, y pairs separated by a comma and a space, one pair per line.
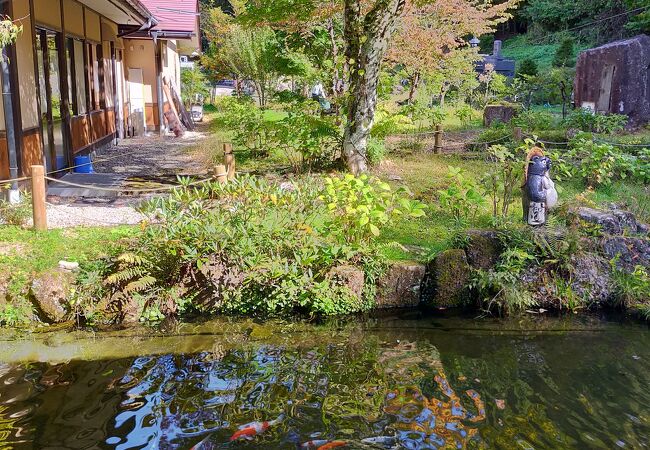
400, 286
628, 252
51, 292
614, 222
591, 277
483, 248
447, 279
350, 277
500, 113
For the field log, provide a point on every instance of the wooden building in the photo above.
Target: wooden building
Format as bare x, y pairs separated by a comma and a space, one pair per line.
84, 73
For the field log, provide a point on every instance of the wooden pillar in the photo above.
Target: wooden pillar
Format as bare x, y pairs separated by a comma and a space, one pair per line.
518, 134
38, 198
229, 160
437, 146
221, 174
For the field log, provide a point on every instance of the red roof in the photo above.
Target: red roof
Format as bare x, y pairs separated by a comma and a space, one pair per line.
174, 15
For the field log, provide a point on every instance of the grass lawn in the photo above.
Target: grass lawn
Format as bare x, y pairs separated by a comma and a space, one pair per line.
25, 253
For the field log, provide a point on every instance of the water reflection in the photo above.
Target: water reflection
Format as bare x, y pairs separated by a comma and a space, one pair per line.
413, 387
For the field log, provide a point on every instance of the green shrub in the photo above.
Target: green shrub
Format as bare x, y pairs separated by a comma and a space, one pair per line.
253, 246
585, 120
633, 289
462, 198
500, 183
600, 164
375, 151
16, 214
530, 120
307, 139
497, 133
246, 122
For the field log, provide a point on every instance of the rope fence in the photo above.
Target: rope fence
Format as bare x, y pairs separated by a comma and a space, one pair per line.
222, 174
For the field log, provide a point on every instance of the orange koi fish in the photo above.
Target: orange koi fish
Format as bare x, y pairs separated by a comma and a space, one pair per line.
333, 444
250, 430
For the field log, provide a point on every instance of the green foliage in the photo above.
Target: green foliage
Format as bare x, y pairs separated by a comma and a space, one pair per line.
246, 122
641, 21
564, 56
194, 84
253, 246
599, 163
462, 198
530, 120
498, 132
308, 139
585, 120
360, 206
9, 31
527, 67
16, 214
500, 183
464, 113
633, 289
376, 151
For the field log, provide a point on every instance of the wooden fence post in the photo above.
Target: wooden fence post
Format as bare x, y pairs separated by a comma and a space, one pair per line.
38, 198
518, 134
221, 174
229, 160
437, 146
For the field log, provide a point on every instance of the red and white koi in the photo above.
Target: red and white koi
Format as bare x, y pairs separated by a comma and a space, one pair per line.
250, 430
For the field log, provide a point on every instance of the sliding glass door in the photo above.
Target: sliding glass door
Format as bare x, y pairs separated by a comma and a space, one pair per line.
49, 75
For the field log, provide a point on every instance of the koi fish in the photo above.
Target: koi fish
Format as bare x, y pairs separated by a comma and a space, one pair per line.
250, 430
333, 444
380, 440
316, 443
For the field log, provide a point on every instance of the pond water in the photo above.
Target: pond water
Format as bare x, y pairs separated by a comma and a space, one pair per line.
402, 381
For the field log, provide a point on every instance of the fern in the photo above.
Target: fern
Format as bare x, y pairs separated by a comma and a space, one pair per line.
140, 284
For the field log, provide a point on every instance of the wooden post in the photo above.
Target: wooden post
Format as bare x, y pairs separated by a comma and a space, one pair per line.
221, 174
229, 160
38, 198
437, 146
518, 134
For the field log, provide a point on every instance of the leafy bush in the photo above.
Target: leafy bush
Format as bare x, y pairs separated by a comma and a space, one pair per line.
253, 246
599, 164
632, 288
530, 120
16, 214
246, 122
464, 113
497, 133
585, 120
500, 183
375, 151
308, 139
462, 198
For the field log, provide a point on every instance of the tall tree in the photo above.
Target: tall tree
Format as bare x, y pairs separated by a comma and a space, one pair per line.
368, 26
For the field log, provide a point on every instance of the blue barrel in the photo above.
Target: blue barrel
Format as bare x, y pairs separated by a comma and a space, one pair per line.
61, 162
84, 163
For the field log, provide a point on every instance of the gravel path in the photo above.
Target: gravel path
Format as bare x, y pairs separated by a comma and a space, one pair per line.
153, 156
142, 160
75, 215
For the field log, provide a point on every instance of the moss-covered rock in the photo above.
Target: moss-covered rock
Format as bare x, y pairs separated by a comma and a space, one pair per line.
447, 279
50, 293
400, 286
350, 277
483, 248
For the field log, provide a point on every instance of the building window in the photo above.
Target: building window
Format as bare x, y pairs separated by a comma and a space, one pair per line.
80, 80
99, 52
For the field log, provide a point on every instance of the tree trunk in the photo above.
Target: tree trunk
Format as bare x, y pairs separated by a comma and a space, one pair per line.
366, 41
337, 83
443, 95
415, 82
